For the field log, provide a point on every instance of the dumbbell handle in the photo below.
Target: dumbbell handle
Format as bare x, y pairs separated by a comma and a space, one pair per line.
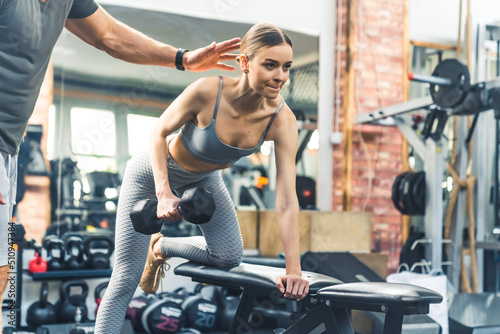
429, 79
154, 213
181, 211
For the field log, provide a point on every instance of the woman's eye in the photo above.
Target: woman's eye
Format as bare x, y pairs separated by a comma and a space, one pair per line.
287, 67
270, 66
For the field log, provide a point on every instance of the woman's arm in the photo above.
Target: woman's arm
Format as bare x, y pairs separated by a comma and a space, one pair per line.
184, 108
104, 32
287, 204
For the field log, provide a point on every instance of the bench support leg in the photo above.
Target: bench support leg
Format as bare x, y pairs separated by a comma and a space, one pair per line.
240, 322
393, 323
323, 319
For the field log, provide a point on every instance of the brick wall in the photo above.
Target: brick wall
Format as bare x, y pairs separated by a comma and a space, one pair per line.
377, 53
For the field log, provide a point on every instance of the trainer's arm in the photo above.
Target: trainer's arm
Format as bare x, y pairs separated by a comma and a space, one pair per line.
287, 204
117, 39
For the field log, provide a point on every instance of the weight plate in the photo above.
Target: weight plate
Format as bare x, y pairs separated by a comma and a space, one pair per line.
453, 95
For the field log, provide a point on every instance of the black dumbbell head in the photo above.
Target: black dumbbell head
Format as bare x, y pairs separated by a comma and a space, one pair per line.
144, 217
197, 206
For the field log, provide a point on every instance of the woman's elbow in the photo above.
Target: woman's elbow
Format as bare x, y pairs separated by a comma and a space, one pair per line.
287, 206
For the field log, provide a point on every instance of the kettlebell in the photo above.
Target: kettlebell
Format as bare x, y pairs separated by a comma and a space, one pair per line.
41, 312
38, 264
76, 249
69, 303
98, 259
56, 261
98, 294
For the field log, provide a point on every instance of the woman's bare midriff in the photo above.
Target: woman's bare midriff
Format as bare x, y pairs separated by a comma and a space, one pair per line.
186, 160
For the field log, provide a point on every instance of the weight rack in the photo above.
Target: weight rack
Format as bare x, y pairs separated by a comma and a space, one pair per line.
49, 275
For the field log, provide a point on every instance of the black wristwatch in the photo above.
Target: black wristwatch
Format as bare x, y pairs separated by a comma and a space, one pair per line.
178, 59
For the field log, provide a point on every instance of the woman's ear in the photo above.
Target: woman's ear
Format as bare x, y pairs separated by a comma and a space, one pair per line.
244, 63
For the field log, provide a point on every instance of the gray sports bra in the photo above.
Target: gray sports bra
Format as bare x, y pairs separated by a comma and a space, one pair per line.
205, 145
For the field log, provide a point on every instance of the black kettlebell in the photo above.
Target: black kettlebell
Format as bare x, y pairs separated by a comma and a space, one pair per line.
98, 249
69, 303
41, 312
76, 249
56, 260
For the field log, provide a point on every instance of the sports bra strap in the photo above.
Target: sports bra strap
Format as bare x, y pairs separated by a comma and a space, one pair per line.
218, 99
272, 119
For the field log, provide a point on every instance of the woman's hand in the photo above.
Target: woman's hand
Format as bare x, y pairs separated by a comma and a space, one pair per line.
296, 287
168, 208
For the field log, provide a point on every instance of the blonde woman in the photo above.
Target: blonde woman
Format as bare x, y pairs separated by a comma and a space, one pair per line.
220, 120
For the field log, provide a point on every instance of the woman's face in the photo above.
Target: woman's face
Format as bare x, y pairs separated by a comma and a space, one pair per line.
269, 69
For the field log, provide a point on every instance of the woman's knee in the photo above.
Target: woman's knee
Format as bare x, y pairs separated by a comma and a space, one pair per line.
229, 260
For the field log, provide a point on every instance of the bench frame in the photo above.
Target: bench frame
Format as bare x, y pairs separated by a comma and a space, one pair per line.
319, 312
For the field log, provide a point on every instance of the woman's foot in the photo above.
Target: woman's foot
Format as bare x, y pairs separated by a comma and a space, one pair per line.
154, 269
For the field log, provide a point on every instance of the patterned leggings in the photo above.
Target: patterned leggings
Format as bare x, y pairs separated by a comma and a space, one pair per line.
221, 243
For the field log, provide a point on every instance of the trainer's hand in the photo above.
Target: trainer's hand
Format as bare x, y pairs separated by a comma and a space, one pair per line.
209, 57
296, 287
1, 200
167, 208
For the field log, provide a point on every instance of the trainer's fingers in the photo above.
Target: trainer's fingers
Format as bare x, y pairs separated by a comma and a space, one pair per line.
229, 45
225, 67
228, 56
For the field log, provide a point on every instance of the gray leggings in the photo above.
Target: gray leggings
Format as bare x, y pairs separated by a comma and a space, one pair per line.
220, 245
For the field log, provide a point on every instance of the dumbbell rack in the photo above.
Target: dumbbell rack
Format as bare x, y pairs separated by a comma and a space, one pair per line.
49, 275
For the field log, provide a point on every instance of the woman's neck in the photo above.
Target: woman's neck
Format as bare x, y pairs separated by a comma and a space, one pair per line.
244, 98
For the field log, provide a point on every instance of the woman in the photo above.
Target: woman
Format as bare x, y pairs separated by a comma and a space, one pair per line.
221, 120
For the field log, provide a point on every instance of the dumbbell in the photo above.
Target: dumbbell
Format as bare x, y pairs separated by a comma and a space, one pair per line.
197, 206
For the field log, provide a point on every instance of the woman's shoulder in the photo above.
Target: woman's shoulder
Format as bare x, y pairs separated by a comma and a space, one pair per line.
285, 117
205, 88
285, 113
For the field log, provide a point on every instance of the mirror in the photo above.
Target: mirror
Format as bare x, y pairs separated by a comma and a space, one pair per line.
103, 110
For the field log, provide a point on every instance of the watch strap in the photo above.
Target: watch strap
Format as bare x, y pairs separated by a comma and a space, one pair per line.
178, 59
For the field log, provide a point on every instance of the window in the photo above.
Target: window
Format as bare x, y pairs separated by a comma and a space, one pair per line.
93, 132
139, 127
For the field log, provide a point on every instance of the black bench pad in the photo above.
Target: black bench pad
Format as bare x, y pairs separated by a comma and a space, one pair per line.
380, 293
248, 276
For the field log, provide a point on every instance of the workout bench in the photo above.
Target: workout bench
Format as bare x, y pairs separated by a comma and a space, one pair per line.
325, 310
